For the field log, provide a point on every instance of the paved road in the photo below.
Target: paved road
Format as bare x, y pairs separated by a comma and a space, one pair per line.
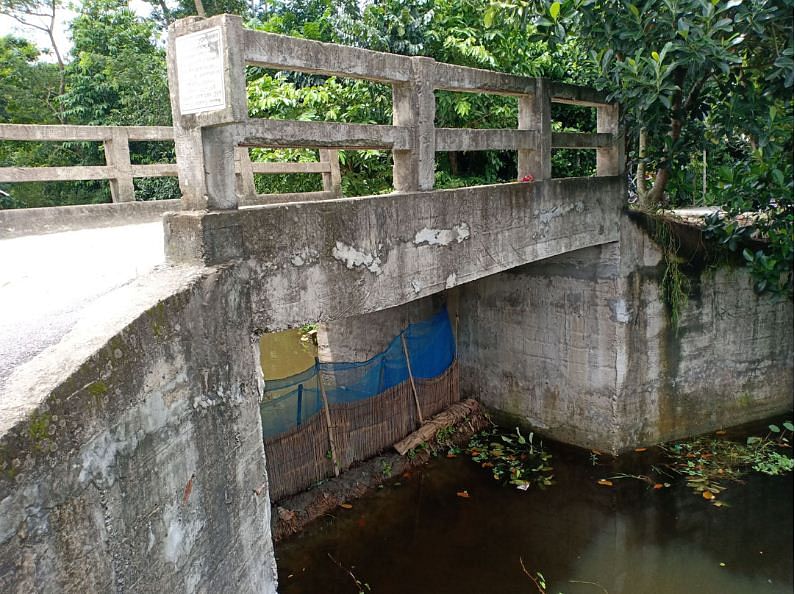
46, 281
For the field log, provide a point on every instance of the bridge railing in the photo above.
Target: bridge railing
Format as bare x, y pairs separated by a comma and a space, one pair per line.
207, 60
120, 171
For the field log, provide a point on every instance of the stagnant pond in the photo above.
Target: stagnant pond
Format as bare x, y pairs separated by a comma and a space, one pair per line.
417, 535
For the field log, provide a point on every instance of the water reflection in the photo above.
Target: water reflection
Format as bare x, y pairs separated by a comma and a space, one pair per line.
283, 354
418, 536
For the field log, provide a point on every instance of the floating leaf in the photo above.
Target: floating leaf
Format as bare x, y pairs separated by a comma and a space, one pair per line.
463, 494
604, 483
346, 506
640, 449
708, 495
658, 485
721, 432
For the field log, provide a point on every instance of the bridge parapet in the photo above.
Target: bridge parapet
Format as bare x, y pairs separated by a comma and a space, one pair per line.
207, 59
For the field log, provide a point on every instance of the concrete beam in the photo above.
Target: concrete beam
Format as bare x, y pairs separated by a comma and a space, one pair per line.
280, 52
47, 133
457, 139
575, 95
448, 77
17, 222
581, 140
68, 173
329, 260
295, 134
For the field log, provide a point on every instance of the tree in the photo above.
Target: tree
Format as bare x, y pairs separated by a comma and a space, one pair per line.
706, 85
117, 75
663, 59
39, 15
28, 87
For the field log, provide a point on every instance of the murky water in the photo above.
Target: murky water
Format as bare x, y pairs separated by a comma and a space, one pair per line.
418, 536
283, 354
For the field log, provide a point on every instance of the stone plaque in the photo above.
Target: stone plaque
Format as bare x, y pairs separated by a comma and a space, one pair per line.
200, 71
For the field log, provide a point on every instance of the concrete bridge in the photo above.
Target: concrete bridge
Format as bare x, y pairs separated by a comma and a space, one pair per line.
131, 455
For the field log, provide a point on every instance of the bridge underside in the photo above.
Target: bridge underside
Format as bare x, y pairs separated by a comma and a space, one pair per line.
330, 260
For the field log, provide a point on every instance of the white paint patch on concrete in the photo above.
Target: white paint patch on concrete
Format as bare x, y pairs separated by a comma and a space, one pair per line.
450, 282
181, 534
353, 258
442, 236
620, 310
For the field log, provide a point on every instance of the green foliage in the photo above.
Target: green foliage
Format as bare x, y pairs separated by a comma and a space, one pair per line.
449, 31
28, 88
710, 463
116, 69
707, 89
512, 458
674, 284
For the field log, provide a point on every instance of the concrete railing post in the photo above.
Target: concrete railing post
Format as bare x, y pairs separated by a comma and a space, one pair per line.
535, 114
244, 173
117, 157
332, 180
414, 106
610, 161
206, 72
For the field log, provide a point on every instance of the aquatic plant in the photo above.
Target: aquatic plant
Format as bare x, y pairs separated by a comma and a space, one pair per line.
512, 458
710, 462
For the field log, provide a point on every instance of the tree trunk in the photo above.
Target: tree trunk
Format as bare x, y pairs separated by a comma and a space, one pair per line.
640, 178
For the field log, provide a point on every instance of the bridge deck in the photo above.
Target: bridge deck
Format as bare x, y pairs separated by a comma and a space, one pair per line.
48, 281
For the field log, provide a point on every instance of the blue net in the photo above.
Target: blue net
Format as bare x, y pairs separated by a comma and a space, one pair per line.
290, 402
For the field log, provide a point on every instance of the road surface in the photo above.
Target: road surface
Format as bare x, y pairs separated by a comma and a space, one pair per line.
47, 281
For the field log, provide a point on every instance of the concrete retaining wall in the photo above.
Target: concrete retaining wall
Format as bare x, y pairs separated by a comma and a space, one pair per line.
581, 346
131, 454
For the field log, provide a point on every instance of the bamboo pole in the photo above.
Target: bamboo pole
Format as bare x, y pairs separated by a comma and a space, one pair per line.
331, 441
411, 377
455, 335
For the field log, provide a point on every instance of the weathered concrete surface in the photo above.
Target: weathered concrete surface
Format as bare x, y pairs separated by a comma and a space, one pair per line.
360, 338
131, 455
581, 345
36, 221
48, 281
341, 258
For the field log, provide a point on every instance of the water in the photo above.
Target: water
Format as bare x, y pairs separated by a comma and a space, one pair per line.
418, 536
283, 354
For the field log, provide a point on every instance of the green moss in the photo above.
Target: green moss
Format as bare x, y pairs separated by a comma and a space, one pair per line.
37, 428
745, 400
159, 319
98, 388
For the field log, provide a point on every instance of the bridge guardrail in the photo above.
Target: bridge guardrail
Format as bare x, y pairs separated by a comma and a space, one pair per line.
120, 171
207, 60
